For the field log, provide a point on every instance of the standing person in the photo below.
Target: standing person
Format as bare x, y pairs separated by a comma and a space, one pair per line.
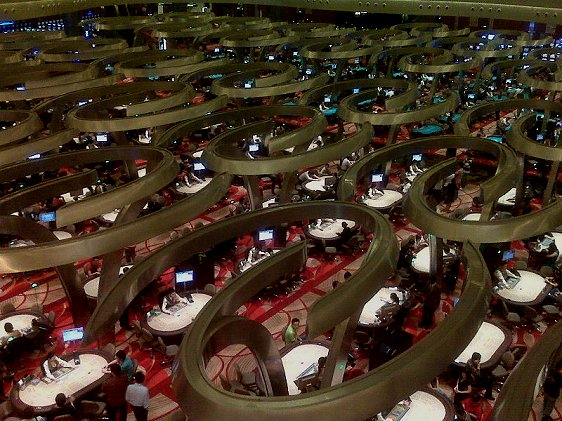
125, 362
551, 388
115, 388
137, 396
290, 335
431, 303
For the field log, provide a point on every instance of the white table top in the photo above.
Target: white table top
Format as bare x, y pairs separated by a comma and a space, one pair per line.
329, 230
316, 185
369, 313
90, 369
182, 318
248, 265
472, 217
389, 198
92, 286
527, 289
110, 216
424, 407
299, 359
19, 321
486, 342
195, 187
197, 154
421, 262
62, 235
508, 199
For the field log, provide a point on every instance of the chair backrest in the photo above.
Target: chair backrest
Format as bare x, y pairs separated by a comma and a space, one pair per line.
210, 289
8, 308
546, 271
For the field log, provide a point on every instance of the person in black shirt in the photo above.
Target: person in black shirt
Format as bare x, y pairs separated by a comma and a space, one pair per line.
551, 388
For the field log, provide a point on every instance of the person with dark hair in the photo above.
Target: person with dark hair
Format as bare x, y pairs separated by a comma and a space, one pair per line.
171, 299
65, 406
52, 363
125, 362
290, 335
137, 396
551, 389
475, 376
115, 388
431, 304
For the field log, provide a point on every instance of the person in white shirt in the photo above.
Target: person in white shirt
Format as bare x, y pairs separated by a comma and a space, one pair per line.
502, 275
308, 176
52, 364
346, 163
373, 192
137, 396
171, 299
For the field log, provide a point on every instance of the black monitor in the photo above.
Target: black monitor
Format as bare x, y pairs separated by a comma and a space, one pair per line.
265, 235
248, 84
327, 99
20, 87
101, 137
471, 96
356, 90
36, 156
47, 216
417, 157
508, 255
185, 277
377, 178
75, 334
254, 147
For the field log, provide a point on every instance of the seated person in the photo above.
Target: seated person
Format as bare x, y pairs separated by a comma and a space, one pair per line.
290, 335
10, 331
171, 299
373, 192
346, 233
255, 254
389, 309
309, 176
502, 276
189, 176
53, 363
417, 168
125, 362
347, 162
65, 406
93, 267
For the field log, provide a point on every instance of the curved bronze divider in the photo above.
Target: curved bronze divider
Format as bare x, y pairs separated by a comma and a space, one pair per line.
285, 73
71, 283
488, 50
525, 77
82, 49
492, 68
185, 16
409, 95
418, 28
517, 395
27, 123
505, 230
124, 93
117, 237
37, 193
521, 143
39, 76
462, 127
84, 118
301, 135
347, 110
367, 394
343, 51
439, 64
115, 23
256, 39
491, 189
222, 154
162, 173
536, 54
53, 91
180, 63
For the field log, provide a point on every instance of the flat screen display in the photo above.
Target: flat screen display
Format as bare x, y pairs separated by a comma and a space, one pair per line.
471, 96
265, 235
20, 88
80, 103
47, 216
254, 147
75, 334
540, 137
356, 90
217, 50
36, 156
101, 137
295, 53
508, 255
327, 99
185, 277
376, 178
198, 166
271, 58
417, 157
247, 85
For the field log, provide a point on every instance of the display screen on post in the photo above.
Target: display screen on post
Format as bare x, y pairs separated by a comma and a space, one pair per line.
101, 137
376, 178
184, 277
198, 166
254, 147
417, 157
508, 255
47, 216
75, 334
265, 235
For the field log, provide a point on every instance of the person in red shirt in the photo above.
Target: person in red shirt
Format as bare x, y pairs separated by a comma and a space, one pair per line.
115, 388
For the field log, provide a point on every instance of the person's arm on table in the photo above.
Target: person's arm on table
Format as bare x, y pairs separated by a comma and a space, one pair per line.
165, 305
47, 370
